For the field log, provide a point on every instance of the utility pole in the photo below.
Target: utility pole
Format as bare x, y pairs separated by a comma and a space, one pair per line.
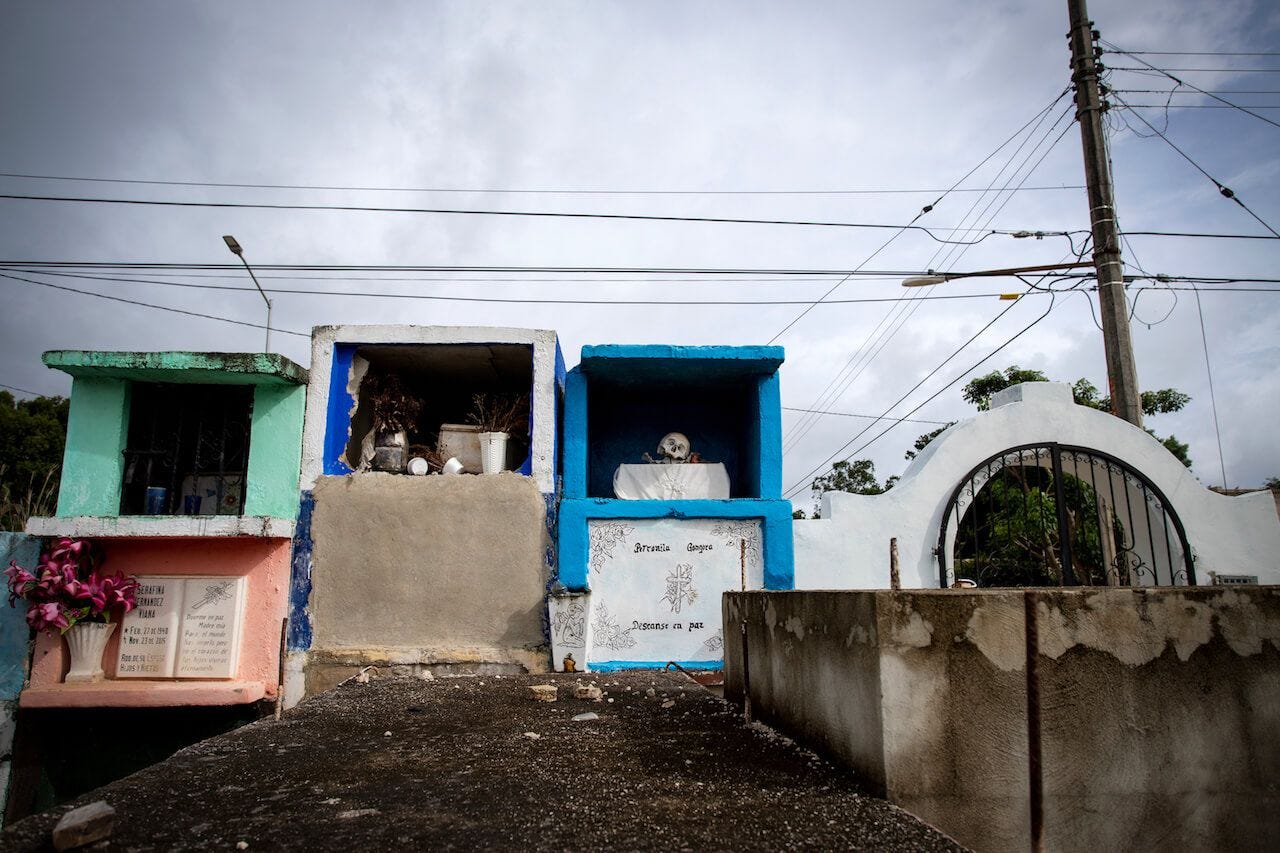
1122, 373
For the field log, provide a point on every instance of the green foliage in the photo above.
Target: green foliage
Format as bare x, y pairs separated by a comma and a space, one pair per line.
980, 390
32, 437
924, 440
857, 476
1273, 483
1013, 539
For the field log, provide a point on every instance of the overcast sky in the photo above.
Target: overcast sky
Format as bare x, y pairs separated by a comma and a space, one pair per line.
810, 106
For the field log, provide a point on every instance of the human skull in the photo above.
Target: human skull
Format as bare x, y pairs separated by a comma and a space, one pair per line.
674, 447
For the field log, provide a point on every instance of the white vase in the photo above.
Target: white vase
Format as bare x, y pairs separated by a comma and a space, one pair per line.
493, 452
86, 641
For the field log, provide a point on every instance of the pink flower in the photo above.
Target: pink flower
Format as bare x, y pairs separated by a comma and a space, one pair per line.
46, 617
69, 549
120, 590
90, 591
19, 581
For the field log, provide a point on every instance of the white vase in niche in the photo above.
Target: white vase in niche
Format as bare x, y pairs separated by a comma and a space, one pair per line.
86, 641
493, 452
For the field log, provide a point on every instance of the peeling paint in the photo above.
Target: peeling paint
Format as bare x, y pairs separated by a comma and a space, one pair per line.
998, 633
1133, 635
909, 627
795, 625
1244, 627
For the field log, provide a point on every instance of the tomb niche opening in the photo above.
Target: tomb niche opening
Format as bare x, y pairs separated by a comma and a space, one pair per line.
420, 401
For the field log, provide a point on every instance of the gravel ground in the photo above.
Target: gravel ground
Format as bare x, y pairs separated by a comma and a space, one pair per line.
474, 762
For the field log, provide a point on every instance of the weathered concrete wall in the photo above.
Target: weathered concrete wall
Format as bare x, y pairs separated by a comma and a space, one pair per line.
425, 570
1159, 707
14, 652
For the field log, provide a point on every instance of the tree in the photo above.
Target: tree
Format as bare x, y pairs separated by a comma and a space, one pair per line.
857, 476
32, 437
981, 389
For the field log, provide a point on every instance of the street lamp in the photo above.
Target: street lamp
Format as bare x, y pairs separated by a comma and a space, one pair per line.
926, 280
239, 253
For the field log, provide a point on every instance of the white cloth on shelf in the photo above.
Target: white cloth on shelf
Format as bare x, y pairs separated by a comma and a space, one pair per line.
660, 481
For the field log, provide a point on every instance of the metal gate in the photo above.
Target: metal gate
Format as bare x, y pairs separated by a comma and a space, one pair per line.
1058, 515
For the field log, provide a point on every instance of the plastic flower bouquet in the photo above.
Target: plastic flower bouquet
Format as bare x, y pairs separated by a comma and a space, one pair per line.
67, 587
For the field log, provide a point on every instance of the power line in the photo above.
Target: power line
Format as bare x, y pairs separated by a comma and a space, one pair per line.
881, 335
1213, 398
1206, 70
793, 490
1192, 53
442, 298
1226, 191
151, 305
492, 190
869, 417
21, 390
1165, 72
1203, 107
1196, 91
539, 214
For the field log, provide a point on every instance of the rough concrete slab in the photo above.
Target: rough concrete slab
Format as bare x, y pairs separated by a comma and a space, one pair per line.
429, 569
449, 764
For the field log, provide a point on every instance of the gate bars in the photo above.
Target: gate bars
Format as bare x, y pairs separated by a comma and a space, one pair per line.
1060, 515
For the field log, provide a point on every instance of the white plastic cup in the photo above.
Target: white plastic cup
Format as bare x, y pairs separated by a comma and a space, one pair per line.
418, 466
453, 466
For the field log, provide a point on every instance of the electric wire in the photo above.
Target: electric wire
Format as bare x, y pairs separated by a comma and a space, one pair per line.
152, 305
524, 301
1165, 72
880, 338
21, 390
1224, 190
794, 489
1213, 398
491, 190
871, 417
836, 386
535, 214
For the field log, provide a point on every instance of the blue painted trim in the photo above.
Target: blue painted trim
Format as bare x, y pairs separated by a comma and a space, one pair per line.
575, 434
618, 665
300, 577
557, 451
769, 425
779, 553
764, 358
338, 413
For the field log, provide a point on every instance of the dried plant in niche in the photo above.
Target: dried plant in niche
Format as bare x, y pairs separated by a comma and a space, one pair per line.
395, 409
507, 413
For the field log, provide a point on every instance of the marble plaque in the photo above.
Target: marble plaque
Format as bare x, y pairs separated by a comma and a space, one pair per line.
210, 646
149, 632
656, 585
183, 627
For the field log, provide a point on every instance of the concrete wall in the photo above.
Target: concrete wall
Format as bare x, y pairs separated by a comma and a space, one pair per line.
275, 450
848, 548
93, 462
426, 570
1159, 707
14, 652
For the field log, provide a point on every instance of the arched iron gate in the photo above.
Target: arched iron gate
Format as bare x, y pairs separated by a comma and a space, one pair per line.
1058, 515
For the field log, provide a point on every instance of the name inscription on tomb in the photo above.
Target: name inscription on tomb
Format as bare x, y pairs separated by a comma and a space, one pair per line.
183, 627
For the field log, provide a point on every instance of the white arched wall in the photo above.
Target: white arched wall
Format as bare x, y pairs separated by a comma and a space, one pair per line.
848, 548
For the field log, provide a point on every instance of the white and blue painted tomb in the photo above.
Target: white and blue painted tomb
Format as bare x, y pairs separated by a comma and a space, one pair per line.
646, 548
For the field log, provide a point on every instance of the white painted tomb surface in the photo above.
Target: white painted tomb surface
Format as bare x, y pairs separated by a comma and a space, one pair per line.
183, 627
666, 482
656, 585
